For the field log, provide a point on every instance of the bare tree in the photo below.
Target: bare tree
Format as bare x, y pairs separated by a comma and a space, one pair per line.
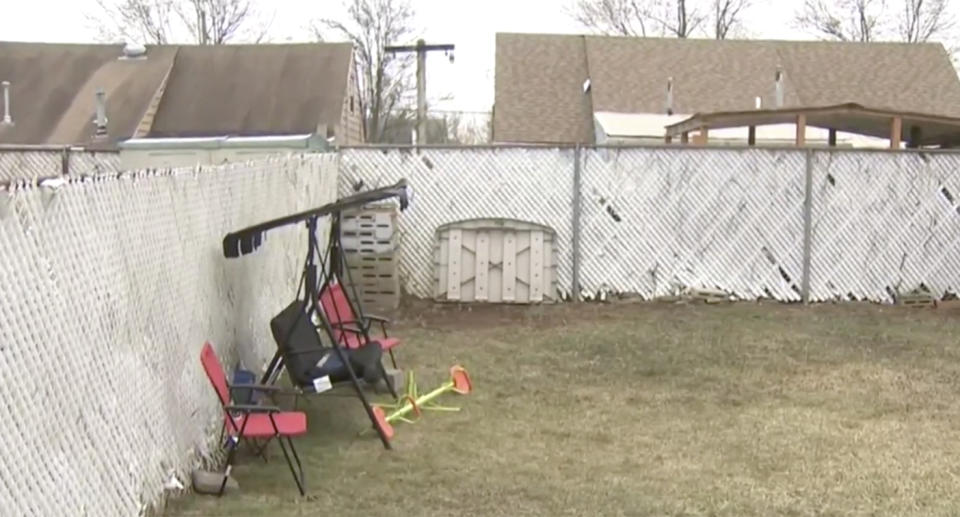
467, 128
371, 25
924, 19
145, 21
726, 16
205, 22
842, 20
910, 21
215, 22
677, 18
615, 17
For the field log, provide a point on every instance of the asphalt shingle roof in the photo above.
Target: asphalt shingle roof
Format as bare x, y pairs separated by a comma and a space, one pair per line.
209, 91
538, 95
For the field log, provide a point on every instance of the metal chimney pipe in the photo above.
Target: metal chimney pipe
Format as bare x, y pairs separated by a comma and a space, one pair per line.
670, 96
779, 88
101, 121
7, 119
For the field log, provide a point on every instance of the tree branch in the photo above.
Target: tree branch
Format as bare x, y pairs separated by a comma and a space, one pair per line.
843, 20
923, 20
169, 21
726, 16
371, 25
678, 18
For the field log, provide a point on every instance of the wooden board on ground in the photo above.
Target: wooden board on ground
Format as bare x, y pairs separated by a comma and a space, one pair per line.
917, 301
709, 295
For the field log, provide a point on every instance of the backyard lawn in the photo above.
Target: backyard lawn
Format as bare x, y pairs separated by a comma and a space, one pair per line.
644, 409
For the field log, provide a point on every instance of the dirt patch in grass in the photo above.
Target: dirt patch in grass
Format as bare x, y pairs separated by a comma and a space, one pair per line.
645, 409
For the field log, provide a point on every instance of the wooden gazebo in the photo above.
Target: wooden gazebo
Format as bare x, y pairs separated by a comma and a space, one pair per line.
914, 129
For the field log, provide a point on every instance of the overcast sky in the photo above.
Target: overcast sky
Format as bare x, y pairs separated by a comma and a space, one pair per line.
469, 24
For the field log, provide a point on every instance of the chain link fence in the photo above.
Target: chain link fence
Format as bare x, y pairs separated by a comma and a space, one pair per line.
785, 224
109, 287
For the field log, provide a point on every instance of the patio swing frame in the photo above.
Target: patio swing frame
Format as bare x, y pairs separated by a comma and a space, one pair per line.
339, 271
248, 240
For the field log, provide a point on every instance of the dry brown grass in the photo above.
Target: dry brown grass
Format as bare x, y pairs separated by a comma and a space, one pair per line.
647, 410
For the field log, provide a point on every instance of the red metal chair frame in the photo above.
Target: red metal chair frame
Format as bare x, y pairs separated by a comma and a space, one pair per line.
254, 422
348, 329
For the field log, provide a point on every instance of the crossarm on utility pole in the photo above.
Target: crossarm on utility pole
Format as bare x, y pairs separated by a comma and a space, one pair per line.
421, 48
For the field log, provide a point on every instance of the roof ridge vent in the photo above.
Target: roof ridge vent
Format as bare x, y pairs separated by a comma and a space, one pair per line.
101, 117
670, 95
7, 117
132, 50
778, 87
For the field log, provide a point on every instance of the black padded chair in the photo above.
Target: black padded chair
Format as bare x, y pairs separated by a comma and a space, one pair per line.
306, 358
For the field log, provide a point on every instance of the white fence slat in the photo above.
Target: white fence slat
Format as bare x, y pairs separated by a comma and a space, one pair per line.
481, 277
453, 266
536, 266
509, 266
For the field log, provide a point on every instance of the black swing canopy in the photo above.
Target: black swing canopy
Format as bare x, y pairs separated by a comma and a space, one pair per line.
247, 240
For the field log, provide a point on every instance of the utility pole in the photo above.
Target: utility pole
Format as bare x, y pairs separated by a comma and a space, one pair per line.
421, 48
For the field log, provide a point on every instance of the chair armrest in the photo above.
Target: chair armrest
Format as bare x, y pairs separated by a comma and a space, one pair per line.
353, 329
257, 387
252, 408
263, 388
374, 317
379, 319
300, 352
350, 325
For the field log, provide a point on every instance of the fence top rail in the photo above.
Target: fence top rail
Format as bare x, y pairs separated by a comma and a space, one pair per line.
58, 180
657, 146
5, 148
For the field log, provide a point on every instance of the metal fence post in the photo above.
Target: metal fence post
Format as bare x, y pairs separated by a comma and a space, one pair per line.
65, 161
575, 287
807, 226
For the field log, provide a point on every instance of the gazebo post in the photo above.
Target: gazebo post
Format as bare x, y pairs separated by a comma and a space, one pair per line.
801, 130
896, 129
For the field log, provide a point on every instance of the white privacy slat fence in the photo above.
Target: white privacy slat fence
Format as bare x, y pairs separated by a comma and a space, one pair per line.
19, 164
659, 220
110, 285
108, 289
883, 223
533, 185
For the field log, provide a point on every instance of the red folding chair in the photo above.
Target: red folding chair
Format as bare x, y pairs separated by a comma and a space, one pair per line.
348, 329
253, 421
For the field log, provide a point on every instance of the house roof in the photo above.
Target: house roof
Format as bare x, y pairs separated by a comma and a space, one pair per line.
250, 90
629, 75
538, 89
177, 91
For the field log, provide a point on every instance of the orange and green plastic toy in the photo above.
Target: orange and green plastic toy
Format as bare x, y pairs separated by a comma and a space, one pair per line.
413, 402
